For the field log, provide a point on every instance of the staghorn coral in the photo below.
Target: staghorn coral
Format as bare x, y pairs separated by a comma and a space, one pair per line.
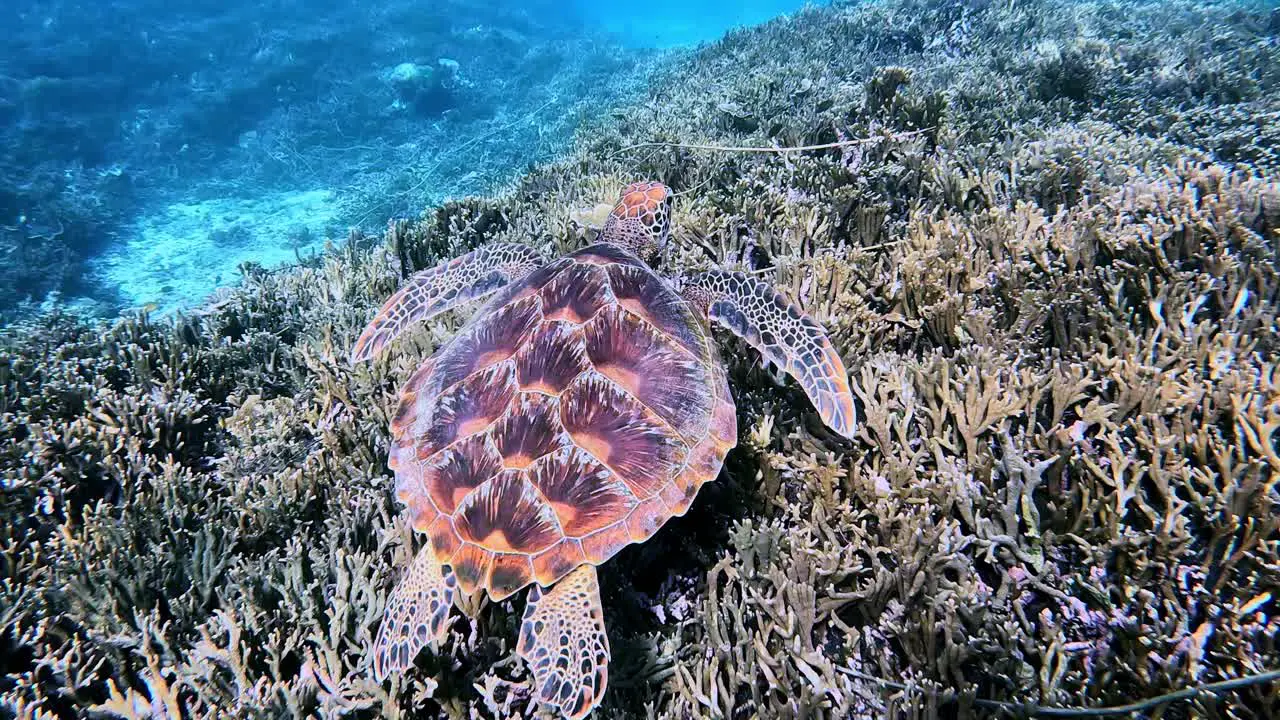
1060, 318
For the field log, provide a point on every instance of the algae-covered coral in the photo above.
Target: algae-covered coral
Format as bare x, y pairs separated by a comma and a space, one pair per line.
1051, 271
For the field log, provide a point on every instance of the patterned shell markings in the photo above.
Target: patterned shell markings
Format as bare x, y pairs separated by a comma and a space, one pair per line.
583, 408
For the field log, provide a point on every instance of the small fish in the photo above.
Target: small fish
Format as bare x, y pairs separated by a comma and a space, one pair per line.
1242, 299
1257, 602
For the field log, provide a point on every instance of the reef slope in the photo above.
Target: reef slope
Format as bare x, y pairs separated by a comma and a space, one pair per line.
1051, 271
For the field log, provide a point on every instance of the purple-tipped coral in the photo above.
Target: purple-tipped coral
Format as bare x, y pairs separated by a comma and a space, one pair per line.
1058, 309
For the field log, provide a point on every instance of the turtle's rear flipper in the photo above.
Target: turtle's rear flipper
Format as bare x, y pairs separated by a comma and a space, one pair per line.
562, 639
415, 615
783, 334
444, 286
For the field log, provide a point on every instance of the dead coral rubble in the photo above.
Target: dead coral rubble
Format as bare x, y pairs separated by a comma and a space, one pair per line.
1058, 305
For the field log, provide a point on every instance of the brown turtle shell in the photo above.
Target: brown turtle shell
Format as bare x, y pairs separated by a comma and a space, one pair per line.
579, 411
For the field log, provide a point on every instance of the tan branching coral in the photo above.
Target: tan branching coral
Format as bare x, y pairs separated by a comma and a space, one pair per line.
1058, 307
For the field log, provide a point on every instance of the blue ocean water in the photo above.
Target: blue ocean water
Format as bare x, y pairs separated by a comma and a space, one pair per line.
151, 148
676, 23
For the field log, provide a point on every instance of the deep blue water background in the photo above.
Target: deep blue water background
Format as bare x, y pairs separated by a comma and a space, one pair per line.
151, 147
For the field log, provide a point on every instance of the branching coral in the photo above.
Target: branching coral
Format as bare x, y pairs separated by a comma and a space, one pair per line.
1061, 326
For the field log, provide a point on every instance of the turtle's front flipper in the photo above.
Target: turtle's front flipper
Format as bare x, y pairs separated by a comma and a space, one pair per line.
783, 334
562, 639
444, 286
415, 615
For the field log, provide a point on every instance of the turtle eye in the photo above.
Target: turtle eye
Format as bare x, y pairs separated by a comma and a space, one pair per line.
662, 216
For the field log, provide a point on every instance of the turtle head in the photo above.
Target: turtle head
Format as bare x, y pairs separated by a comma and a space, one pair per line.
641, 221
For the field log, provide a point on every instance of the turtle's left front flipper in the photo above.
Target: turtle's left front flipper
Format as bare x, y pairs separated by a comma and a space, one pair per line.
449, 284
783, 334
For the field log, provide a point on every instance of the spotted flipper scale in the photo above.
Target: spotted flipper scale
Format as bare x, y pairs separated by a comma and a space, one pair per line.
783, 333
415, 615
447, 285
563, 640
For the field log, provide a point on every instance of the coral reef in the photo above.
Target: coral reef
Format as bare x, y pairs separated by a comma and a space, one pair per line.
1058, 303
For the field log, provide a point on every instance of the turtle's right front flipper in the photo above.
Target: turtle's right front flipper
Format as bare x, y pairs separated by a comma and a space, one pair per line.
783, 334
449, 284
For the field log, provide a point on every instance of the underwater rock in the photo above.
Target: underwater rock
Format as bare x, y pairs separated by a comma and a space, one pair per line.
425, 89
734, 117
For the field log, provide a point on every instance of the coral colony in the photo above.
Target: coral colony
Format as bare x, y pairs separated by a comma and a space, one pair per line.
1042, 240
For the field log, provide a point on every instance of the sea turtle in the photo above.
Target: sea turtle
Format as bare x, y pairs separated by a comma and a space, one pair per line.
579, 410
